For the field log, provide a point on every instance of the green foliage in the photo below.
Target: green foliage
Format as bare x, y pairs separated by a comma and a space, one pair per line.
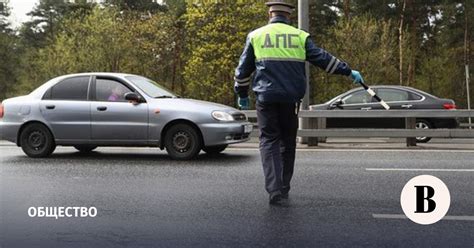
105, 41
367, 45
136, 5
216, 34
194, 49
4, 14
8, 53
48, 16
8, 62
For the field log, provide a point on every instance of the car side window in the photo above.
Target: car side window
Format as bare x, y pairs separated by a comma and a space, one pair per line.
75, 89
108, 90
393, 95
357, 97
414, 96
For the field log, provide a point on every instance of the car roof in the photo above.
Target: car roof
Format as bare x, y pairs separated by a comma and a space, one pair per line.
391, 86
38, 92
103, 74
399, 87
112, 74
424, 93
394, 86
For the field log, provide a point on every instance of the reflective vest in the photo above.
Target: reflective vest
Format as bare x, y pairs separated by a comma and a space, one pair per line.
279, 42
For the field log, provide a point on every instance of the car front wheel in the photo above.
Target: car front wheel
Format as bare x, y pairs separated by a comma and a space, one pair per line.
37, 141
214, 149
182, 142
423, 124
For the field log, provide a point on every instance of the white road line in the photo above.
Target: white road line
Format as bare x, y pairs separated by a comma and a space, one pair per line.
415, 169
358, 150
298, 149
402, 216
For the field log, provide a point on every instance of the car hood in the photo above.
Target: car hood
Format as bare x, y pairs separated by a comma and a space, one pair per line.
181, 103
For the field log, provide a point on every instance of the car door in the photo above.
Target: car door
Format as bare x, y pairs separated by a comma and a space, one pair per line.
66, 108
113, 119
397, 99
357, 100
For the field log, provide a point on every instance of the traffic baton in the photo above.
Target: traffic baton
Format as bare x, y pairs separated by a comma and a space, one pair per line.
372, 93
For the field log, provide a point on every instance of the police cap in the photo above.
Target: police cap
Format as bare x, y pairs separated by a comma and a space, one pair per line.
280, 6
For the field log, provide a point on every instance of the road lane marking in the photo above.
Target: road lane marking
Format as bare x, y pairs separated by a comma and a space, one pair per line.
414, 169
402, 216
427, 150
359, 150
388, 149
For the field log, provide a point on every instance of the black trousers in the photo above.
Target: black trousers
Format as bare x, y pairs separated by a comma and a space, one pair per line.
278, 124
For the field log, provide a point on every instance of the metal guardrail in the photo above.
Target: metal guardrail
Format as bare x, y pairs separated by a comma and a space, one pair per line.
378, 113
467, 125
318, 124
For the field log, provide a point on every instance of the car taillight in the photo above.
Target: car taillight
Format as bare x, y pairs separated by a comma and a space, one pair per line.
449, 106
1, 110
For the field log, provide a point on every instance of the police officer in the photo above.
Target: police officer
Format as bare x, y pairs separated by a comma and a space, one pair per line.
276, 55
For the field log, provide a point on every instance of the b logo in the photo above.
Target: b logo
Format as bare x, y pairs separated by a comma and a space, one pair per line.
425, 199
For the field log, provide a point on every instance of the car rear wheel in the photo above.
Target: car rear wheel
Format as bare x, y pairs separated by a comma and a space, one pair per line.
423, 124
85, 148
214, 149
37, 141
182, 142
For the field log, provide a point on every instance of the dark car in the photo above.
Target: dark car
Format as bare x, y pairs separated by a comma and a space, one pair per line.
399, 98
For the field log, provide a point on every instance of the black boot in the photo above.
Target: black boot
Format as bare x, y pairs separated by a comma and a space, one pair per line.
275, 198
285, 192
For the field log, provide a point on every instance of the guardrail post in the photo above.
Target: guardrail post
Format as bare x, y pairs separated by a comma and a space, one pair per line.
322, 125
313, 124
410, 123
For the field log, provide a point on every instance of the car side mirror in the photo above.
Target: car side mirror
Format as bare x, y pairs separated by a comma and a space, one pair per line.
337, 103
133, 97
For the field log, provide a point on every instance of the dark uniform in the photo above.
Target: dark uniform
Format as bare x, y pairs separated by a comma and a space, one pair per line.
276, 55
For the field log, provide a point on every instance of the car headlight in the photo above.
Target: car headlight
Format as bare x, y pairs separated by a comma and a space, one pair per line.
222, 116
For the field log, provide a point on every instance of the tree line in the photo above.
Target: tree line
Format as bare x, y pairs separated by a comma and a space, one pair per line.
193, 47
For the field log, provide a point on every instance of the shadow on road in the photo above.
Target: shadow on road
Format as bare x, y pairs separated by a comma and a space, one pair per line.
224, 159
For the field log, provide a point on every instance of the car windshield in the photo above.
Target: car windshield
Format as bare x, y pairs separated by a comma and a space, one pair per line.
150, 87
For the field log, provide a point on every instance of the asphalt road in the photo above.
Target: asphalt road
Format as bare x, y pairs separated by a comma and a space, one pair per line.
144, 199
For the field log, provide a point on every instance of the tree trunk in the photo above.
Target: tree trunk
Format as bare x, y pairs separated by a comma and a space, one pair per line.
467, 44
400, 39
180, 49
413, 44
175, 64
347, 9
467, 38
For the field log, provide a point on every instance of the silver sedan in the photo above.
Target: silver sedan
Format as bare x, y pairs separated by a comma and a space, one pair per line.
111, 109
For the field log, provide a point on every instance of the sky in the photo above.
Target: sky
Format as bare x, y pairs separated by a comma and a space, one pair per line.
19, 9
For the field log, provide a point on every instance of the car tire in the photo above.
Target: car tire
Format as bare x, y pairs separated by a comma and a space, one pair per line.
212, 150
183, 142
423, 124
85, 148
37, 141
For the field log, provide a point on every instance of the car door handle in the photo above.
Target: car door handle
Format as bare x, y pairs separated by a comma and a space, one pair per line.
50, 106
368, 108
102, 108
407, 106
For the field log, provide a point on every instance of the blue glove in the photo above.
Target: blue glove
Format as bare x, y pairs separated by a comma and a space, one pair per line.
244, 103
357, 77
